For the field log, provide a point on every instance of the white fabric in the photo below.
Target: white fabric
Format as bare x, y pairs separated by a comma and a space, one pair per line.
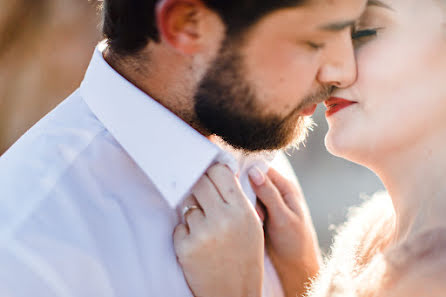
88, 195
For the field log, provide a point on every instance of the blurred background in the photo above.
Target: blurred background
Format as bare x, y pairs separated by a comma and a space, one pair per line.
45, 48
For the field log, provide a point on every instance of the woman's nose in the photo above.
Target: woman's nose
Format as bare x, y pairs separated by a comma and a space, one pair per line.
339, 68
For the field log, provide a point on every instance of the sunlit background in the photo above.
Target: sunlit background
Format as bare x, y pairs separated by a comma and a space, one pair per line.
45, 47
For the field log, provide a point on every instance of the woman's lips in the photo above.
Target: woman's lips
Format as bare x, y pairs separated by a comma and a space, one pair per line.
307, 111
335, 104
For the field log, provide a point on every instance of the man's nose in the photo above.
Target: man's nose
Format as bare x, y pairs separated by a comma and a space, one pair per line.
339, 67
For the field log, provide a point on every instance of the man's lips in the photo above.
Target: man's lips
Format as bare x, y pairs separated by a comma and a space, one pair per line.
335, 104
307, 111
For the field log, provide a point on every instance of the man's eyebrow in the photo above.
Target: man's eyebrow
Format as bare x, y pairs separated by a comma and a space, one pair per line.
378, 3
335, 27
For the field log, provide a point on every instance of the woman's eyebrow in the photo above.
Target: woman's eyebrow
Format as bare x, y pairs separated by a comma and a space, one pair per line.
379, 4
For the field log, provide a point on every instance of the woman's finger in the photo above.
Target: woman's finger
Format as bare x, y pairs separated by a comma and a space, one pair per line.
180, 234
207, 196
225, 182
194, 219
266, 192
284, 185
291, 193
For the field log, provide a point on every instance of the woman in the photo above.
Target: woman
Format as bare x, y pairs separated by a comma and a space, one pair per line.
392, 120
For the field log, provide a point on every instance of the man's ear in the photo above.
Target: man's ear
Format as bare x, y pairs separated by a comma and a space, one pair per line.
180, 24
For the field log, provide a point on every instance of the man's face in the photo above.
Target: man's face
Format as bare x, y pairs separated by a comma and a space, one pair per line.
263, 83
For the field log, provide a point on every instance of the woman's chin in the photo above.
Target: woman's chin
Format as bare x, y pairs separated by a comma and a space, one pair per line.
340, 146
332, 145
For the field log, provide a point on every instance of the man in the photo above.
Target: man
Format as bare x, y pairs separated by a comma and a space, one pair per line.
90, 194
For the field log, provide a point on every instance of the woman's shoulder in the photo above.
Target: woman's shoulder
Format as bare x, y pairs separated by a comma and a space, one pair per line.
363, 235
363, 261
367, 230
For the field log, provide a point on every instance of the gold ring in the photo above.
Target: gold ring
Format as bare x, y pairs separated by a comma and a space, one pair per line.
188, 208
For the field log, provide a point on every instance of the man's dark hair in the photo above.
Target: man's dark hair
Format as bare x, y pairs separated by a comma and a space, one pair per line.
128, 25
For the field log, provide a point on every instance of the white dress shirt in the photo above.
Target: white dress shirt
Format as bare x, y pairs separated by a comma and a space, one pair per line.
88, 196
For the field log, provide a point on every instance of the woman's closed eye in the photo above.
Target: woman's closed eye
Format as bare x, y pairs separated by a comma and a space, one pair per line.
361, 36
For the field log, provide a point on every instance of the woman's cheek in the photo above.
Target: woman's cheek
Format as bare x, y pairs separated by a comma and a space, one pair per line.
362, 129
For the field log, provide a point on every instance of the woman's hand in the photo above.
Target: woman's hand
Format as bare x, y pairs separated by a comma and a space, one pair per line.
221, 245
291, 241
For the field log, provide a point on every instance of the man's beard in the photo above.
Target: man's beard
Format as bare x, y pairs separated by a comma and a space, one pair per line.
226, 106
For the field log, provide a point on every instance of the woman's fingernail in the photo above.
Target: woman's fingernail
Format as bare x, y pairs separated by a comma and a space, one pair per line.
257, 176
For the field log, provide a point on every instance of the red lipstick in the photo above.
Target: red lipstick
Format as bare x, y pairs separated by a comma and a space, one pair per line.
335, 104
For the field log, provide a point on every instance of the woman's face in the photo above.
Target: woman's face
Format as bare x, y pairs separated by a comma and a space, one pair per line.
400, 91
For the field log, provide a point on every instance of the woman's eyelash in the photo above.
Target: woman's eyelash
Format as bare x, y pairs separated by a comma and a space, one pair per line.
358, 34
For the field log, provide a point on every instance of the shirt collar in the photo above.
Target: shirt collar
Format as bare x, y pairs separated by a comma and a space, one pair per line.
170, 152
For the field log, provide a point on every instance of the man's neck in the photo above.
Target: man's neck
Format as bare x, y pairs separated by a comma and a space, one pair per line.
165, 76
